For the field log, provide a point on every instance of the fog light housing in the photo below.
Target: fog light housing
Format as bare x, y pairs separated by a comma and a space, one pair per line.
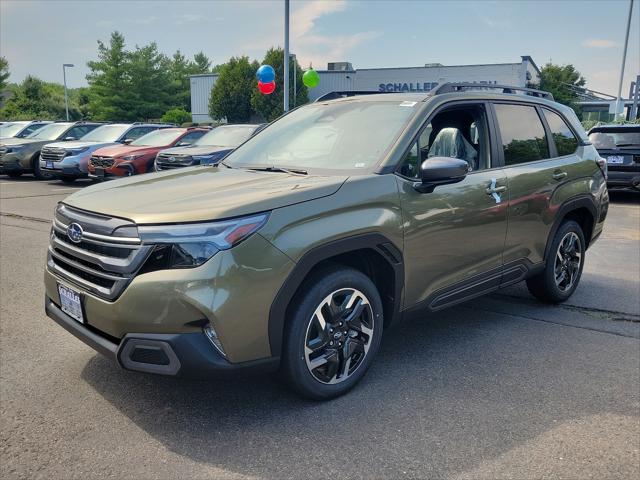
211, 334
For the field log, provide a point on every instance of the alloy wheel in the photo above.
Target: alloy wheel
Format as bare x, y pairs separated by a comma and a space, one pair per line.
338, 336
567, 262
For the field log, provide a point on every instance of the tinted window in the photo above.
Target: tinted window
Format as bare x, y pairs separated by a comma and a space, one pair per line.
137, 132
615, 137
79, 131
563, 137
159, 138
191, 137
411, 163
523, 137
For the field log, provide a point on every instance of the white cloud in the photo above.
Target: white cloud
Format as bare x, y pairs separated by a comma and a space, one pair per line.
600, 43
189, 18
143, 20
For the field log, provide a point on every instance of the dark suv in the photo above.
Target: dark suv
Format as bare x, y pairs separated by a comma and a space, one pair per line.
22, 155
619, 145
337, 220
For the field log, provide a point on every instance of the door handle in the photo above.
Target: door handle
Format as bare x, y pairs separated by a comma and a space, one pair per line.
559, 175
495, 191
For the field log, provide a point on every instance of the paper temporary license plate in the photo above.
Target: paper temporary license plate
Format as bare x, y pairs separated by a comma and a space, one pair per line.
70, 303
49, 164
615, 159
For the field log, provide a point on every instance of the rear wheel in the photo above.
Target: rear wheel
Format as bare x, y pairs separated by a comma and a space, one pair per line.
333, 334
563, 267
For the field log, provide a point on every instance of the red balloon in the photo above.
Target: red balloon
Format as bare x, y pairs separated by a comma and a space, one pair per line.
266, 88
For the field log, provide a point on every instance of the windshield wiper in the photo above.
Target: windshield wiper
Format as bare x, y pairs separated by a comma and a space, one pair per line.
627, 145
291, 171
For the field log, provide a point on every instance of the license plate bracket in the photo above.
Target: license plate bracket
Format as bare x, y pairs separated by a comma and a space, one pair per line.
49, 164
71, 302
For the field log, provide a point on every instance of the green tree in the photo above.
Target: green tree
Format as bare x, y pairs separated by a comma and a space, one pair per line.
202, 64
109, 81
4, 74
34, 98
150, 86
177, 116
272, 106
231, 95
561, 81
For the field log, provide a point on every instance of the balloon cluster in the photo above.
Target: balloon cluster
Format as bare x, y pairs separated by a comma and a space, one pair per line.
266, 76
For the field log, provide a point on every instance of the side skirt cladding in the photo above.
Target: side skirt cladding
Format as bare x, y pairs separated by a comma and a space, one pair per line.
378, 243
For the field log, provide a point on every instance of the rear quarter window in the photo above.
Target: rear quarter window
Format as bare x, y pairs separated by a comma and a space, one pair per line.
564, 139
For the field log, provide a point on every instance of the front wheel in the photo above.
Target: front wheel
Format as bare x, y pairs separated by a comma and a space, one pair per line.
333, 334
37, 172
563, 267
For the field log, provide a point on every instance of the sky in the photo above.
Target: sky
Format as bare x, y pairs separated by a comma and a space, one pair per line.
37, 37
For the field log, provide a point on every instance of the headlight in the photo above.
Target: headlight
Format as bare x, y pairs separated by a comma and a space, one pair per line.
129, 158
77, 151
192, 244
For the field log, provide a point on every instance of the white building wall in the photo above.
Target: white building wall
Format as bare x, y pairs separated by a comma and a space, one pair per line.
201, 86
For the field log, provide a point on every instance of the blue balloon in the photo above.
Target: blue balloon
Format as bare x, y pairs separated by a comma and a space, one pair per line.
266, 74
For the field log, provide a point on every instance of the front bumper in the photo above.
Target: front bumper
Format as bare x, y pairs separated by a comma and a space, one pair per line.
181, 354
68, 167
10, 162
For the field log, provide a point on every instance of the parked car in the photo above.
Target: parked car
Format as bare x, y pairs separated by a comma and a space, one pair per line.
22, 155
139, 156
619, 145
21, 129
207, 150
328, 226
68, 161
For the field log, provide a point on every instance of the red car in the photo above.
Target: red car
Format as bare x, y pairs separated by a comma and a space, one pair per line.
139, 156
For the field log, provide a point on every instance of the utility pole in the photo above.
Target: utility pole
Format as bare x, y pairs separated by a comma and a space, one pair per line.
624, 58
286, 55
64, 77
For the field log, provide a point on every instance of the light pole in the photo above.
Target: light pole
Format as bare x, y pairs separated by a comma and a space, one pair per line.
624, 58
295, 75
64, 77
286, 55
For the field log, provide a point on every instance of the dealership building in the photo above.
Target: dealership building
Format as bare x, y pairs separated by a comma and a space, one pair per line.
341, 76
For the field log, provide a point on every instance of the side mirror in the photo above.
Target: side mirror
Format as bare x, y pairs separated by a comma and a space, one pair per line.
183, 144
69, 139
438, 171
127, 141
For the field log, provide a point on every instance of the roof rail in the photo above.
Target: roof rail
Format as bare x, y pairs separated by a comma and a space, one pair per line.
458, 87
345, 94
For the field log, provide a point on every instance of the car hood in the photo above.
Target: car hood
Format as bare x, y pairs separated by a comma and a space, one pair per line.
196, 150
22, 141
201, 193
121, 150
79, 144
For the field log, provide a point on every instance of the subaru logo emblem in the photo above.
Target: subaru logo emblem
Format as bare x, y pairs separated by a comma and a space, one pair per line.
74, 232
172, 159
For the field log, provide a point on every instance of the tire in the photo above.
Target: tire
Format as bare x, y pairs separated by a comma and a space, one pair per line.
68, 179
338, 360
39, 174
563, 266
14, 174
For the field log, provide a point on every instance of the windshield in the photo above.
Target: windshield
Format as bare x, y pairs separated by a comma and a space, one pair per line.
615, 138
50, 132
106, 133
226, 136
158, 138
351, 135
11, 129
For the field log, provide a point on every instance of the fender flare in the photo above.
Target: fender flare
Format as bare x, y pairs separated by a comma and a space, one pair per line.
373, 241
582, 201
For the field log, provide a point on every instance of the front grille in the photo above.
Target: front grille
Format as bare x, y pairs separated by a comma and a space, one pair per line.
50, 154
103, 162
636, 158
165, 161
3, 151
106, 259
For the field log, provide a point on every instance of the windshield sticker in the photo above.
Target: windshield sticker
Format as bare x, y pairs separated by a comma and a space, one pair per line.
360, 165
408, 104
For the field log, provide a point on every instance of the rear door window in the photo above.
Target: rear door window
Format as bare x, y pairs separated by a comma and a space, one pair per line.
564, 139
523, 136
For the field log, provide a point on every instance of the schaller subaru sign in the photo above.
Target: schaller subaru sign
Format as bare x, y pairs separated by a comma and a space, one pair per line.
407, 87
418, 86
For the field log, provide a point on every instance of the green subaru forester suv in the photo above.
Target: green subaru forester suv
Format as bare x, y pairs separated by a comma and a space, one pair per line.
327, 227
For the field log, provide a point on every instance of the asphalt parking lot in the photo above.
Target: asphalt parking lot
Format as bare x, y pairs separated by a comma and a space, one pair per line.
500, 387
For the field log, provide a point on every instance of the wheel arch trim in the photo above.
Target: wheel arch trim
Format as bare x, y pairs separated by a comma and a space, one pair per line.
373, 241
573, 204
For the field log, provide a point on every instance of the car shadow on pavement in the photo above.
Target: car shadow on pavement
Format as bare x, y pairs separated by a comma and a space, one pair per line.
445, 394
